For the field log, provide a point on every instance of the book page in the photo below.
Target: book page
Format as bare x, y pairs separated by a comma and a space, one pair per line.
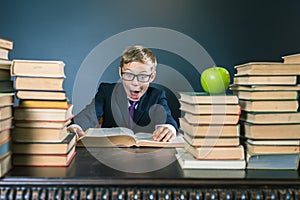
104, 132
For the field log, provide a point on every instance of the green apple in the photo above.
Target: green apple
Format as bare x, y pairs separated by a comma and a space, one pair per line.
215, 80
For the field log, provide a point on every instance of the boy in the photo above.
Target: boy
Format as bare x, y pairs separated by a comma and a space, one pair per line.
114, 103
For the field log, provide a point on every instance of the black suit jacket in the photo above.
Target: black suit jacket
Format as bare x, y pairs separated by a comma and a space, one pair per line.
111, 104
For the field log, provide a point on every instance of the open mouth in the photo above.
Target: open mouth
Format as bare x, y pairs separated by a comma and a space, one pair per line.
134, 94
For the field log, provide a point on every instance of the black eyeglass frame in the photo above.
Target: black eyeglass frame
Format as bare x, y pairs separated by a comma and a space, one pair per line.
138, 76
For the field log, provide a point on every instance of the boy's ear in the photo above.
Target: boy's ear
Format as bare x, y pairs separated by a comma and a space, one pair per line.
120, 72
152, 76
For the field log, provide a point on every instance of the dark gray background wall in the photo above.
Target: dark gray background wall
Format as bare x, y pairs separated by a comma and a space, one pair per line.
232, 31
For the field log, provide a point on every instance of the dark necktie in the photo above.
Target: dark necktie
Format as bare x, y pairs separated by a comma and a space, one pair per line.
131, 111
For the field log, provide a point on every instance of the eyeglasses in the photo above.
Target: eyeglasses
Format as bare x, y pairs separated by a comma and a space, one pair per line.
140, 77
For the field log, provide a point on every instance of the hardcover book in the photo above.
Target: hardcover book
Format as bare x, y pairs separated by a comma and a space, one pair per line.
269, 105
267, 95
293, 58
38, 83
211, 118
41, 95
271, 117
205, 98
265, 80
123, 137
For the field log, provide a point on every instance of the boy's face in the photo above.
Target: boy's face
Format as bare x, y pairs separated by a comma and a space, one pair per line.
136, 89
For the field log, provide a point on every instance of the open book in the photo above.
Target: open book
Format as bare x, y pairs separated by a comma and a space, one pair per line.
123, 137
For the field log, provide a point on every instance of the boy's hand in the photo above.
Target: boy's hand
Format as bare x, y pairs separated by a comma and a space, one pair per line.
79, 132
163, 134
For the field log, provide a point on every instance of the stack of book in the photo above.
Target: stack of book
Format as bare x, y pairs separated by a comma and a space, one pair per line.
40, 136
211, 131
6, 106
270, 120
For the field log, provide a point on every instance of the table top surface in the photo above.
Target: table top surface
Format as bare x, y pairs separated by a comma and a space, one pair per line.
141, 166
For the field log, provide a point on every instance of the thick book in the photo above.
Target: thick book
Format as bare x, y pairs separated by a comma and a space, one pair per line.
6, 86
211, 118
41, 124
265, 80
210, 108
273, 161
5, 163
5, 146
6, 123
271, 131
268, 68
59, 160
267, 95
211, 141
269, 105
5, 134
264, 87
205, 98
6, 99
216, 153
20, 134
272, 149
271, 117
5, 75
41, 95
31, 103
6, 44
209, 130
4, 54
188, 161
6, 112
123, 137
62, 147
38, 83
293, 58
5, 64
43, 114
285, 142
38, 68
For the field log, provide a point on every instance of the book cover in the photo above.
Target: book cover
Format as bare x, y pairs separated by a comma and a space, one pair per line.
38, 68
264, 87
5, 146
5, 134
269, 105
45, 147
265, 80
5, 163
59, 160
268, 68
273, 162
41, 95
38, 83
211, 141
293, 58
5, 64
41, 124
272, 149
123, 137
267, 95
6, 44
4, 75
205, 98
6, 99
6, 112
6, 86
210, 108
271, 117
30, 103
6, 123
210, 130
216, 152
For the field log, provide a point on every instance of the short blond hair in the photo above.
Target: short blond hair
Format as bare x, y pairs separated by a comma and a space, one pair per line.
138, 54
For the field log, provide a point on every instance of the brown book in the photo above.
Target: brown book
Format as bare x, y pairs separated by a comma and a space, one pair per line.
123, 137
38, 68
43, 114
6, 99
265, 80
38, 83
5, 164
266, 95
271, 131
6, 112
6, 124
4, 75
41, 95
211, 141
269, 105
5, 134
21, 134
59, 160
264, 87
6, 44
6, 86
205, 98
216, 153
211, 119
209, 130
61, 147
268, 68
30, 103
293, 58
210, 108
5, 64
272, 149
271, 117
41, 124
